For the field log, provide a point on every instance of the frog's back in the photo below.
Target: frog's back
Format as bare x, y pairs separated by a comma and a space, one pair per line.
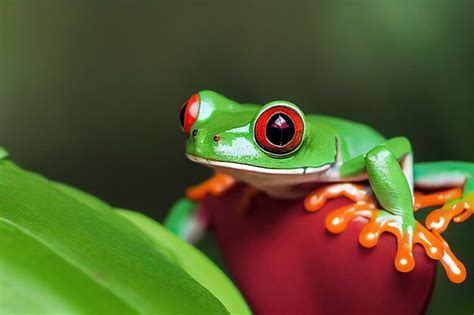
356, 137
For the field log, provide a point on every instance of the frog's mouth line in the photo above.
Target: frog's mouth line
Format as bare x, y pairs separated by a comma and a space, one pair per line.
257, 169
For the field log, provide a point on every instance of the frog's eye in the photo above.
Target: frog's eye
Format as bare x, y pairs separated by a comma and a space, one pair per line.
279, 130
189, 113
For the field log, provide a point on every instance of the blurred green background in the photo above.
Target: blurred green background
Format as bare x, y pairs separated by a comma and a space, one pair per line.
90, 90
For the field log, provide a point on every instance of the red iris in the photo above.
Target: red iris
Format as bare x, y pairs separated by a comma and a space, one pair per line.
189, 113
279, 130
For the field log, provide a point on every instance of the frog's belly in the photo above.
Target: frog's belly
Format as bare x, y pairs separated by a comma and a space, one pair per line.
287, 186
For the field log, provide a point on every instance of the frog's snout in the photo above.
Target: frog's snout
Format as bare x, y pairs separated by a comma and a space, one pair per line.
204, 137
203, 141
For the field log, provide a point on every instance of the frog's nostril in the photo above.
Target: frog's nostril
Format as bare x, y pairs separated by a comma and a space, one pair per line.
217, 138
195, 132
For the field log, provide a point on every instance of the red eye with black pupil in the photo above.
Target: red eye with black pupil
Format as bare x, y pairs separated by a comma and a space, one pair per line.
279, 130
189, 113
182, 113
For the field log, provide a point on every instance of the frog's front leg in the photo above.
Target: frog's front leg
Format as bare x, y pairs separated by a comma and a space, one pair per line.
401, 149
394, 194
215, 186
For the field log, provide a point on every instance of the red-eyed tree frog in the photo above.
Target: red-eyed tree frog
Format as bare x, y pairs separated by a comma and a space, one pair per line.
279, 150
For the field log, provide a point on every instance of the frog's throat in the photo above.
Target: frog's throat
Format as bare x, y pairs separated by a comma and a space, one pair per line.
257, 169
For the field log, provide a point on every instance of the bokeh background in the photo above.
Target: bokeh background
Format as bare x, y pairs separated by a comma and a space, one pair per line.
90, 90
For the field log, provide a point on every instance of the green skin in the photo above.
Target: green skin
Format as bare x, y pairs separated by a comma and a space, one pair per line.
339, 150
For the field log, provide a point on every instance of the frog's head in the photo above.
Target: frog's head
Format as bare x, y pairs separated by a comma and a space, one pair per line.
272, 139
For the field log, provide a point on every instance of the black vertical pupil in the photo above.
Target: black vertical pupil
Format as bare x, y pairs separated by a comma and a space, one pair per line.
182, 114
280, 129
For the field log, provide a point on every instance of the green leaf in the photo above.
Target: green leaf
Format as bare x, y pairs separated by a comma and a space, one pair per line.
193, 262
64, 251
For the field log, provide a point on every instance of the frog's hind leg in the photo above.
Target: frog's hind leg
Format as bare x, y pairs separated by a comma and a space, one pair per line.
186, 219
448, 174
454, 268
457, 204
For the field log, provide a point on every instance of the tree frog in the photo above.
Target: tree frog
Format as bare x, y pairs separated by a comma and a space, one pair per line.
278, 150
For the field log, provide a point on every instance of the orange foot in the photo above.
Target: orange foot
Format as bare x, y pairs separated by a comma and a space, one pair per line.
458, 210
318, 198
381, 221
455, 208
454, 268
436, 199
407, 235
215, 186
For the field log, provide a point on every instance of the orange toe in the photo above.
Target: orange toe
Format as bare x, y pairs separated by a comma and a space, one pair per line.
215, 186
